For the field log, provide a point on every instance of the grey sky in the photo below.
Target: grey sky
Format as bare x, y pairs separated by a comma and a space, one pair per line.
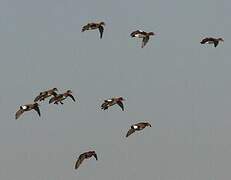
181, 87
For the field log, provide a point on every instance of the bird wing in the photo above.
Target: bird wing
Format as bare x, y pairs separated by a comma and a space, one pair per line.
38, 97
18, 113
79, 161
130, 131
120, 104
215, 43
101, 31
145, 40
95, 155
72, 97
36, 108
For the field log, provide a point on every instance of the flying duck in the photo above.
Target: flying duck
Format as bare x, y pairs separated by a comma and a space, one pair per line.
110, 102
137, 127
45, 94
92, 26
142, 34
85, 155
60, 97
211, 40
27, 107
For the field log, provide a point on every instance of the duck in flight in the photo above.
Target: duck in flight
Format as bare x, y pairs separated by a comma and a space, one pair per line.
85, 155
110, 102
137, 127
45, 94
27, 107
93, 25
211, 40
60, 97
142, 34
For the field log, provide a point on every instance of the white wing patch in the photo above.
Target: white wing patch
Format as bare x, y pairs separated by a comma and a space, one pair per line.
209, 42
135, 127
24, 107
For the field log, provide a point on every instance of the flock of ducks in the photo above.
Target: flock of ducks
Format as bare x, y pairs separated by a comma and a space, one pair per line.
144, 35
56, 98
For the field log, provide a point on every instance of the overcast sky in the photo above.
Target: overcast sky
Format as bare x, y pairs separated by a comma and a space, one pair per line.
181, 87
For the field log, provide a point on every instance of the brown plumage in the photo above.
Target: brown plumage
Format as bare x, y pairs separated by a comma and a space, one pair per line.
60, 97
27, 107
92, 26
142, 34
211, 40
45, 94
85, 155
137, 127
110, 102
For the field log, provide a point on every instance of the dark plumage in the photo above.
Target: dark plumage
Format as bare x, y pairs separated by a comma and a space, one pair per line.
27, 107
60, 97
211, 40
92, 26
85, 155
142, 34
110, 102
137, 127
45, 94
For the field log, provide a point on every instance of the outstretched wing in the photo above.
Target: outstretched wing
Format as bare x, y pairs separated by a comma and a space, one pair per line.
145, 40
18, 113
120, 104
72, 97
215, 43
36, 108
38, 97
79, 161
130, 131
95, 155
101, 31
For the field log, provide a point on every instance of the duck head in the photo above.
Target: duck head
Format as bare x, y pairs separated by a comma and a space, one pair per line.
151, 33
102, 23
69, 91
121, 99
220, 39
148, 124
55, 89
